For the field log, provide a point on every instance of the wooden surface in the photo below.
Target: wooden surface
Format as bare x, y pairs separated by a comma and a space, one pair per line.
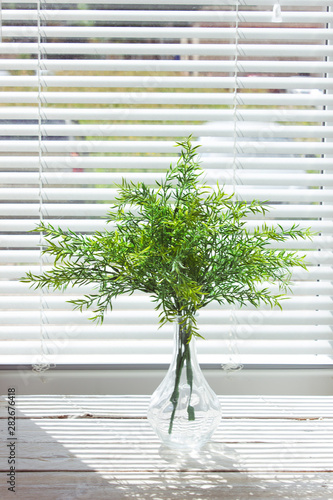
102, 448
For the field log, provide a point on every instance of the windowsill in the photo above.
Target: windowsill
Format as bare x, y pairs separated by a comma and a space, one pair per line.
289, 381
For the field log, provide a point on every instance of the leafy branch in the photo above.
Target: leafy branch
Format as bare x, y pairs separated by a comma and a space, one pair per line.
183, 243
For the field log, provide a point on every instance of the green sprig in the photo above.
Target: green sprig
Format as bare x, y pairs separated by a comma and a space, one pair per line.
185, 244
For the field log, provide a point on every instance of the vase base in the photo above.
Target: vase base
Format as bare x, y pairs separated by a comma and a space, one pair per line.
183, 447
187, 440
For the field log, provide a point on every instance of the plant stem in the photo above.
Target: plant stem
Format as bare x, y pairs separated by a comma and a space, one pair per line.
189, 377
183, 356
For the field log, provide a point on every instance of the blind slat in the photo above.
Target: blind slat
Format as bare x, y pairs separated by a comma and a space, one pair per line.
121, 162
170, 33
147, 317
217, 129
207, 49
169, 82
167, 98
164, 16
246, 194
222, 147
216, 66
260, 332
242, 115
301, 212
249, 178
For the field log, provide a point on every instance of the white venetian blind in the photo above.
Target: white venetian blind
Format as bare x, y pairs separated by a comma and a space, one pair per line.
93, 92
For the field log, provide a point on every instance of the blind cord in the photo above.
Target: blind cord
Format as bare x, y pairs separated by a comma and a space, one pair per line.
232, 364
43, 364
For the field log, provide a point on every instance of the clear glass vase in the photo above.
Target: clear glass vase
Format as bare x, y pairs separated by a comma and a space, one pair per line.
184, 411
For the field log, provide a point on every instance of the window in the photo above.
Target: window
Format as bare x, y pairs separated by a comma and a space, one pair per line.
92, 92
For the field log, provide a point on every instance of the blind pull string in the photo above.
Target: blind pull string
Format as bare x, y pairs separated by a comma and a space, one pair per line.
232, 363
277, 14
43, 364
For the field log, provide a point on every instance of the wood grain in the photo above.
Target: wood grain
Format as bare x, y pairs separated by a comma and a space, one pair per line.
102, 447
171, 486
136, 406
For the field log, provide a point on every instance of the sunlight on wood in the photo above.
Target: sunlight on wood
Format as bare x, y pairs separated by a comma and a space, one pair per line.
103, 447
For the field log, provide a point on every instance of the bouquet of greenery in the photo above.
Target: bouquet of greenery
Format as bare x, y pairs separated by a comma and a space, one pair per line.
183, 243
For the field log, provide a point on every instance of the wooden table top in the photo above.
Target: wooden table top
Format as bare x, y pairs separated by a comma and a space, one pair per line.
103, 448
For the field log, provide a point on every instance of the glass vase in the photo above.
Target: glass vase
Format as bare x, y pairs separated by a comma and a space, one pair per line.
184, 411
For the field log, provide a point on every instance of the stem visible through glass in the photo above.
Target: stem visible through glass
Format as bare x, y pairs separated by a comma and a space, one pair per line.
183, 357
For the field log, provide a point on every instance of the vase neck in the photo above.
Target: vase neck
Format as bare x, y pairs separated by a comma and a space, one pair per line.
181, 336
